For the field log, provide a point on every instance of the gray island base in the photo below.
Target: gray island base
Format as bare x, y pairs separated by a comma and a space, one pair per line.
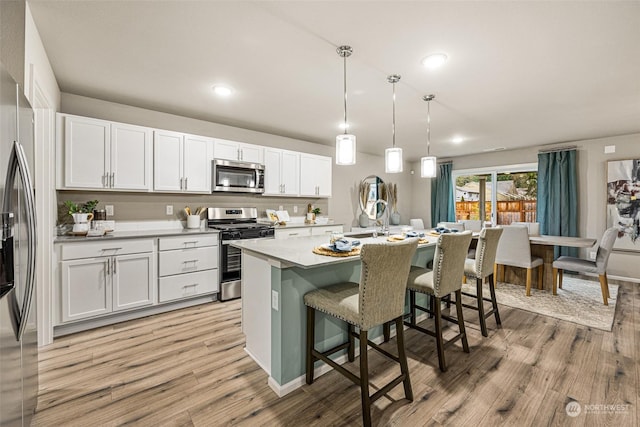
276, 274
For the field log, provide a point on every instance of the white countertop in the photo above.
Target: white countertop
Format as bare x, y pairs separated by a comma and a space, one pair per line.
298, 251
296, 225
135, 234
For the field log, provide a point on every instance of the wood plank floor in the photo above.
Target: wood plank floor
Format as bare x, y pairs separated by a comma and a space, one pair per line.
188, 368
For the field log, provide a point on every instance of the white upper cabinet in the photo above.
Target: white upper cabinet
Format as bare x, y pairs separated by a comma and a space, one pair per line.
238, 151
182, 163
281, 172
103, 155
315, 175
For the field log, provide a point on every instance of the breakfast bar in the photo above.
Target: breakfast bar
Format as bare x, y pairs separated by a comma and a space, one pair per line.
276, 274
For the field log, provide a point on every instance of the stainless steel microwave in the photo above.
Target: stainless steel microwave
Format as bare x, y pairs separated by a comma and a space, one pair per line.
237, 177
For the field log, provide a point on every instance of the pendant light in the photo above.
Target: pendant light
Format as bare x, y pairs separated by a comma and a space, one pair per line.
345, 143
428, 164
393, 155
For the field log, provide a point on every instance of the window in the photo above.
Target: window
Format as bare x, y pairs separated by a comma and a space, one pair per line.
500, 196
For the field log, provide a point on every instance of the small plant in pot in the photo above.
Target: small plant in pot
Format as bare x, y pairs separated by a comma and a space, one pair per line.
81, 213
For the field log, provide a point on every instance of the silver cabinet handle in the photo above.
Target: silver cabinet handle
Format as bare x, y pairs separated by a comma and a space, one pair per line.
181, 183
108, 269
113, 265
105, 178
293, 234
186, 185
112, 181
284, 188
190, 260
193, 242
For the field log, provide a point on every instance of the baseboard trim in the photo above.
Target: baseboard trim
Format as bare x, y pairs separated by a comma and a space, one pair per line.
296, 383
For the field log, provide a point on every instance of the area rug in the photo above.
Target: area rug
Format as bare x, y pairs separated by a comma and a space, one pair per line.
579, 301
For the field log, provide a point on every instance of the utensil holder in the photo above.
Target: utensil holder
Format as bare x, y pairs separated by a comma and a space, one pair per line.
193, 221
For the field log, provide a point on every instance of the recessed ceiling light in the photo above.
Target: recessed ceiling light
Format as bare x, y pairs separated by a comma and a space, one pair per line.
222, 90
343, 126
457, 139
435, 60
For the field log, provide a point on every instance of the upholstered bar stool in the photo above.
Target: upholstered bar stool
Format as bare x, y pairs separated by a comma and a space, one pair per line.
444, 279
599, 266
378, 298
480, 268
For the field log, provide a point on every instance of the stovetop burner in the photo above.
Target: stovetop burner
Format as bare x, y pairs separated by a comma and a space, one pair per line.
237, 223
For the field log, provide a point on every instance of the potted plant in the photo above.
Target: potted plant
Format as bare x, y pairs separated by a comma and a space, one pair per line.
82, 214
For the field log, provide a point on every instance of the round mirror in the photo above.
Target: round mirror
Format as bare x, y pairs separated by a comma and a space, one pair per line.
372, 191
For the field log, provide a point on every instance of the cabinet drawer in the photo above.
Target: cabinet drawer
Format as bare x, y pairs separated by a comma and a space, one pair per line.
294, 232
187, 242
187, 260
187, 285
105, 248
322, 231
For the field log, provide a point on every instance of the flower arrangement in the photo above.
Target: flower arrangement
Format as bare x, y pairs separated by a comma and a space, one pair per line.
86, 207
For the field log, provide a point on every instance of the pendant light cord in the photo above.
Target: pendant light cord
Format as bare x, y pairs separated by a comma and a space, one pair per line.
428, 127
345, 94
394, 115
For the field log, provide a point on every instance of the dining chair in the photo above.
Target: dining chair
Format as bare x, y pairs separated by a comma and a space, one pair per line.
481, 267
416, 224
514, 250
378, 298
472, 224
599, 266
452, 225
443, 280
533, 227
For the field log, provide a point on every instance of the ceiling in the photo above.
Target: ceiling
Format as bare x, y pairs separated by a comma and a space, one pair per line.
518, 74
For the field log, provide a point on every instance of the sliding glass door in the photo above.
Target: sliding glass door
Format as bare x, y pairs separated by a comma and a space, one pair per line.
499, 195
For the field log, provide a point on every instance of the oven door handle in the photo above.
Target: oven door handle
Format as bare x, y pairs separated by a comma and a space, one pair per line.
228, 242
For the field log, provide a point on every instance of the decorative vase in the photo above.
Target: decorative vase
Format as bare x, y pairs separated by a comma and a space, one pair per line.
394, 219
363, 220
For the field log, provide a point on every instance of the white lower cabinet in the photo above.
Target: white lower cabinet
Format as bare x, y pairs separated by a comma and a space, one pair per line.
325, 231
116, 280
187, 266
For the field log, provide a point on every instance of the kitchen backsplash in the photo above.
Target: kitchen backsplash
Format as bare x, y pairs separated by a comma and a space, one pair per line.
152, 206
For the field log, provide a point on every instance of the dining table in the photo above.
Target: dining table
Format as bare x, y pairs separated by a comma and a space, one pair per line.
543, 246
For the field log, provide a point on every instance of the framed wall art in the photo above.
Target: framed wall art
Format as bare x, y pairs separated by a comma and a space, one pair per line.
623, 202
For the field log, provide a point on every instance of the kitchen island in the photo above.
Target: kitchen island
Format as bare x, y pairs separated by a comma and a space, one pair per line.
276, 274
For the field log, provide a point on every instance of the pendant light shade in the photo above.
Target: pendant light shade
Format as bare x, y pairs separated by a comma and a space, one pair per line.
393, 155
345, 143
428, 164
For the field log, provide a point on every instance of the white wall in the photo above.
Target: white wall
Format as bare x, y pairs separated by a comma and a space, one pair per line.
343, 205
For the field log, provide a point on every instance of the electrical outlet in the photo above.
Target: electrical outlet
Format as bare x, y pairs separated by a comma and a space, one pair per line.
274, 300
169, 210
108, 210
295, 209
609, 149
592, 255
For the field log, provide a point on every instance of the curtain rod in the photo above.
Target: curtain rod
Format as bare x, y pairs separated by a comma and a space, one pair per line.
552, 150
446, 162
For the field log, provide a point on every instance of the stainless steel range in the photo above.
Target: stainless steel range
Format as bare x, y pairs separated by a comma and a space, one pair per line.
234, 224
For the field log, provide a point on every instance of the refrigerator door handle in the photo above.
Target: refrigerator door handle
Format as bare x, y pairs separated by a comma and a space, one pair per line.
18, 166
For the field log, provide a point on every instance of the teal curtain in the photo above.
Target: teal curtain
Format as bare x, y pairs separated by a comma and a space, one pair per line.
557, 208
443, 207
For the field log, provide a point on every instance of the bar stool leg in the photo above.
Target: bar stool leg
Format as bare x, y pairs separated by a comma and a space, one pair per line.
386, 331
402, 355
494, 301
310, 343
352, 343
439, 341
364, 380
483, 322
412, 307
463, 332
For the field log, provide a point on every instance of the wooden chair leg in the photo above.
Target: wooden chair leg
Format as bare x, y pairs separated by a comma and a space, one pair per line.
495, 271
464, 279
540, 276
604, 285
439, 341
412, 307
364, 380
606, 279
402, 355
529, 271
555, 281
480, 300
463, 332
502, 268
310, 343
386, 331
560, 278
351, 350
494, 301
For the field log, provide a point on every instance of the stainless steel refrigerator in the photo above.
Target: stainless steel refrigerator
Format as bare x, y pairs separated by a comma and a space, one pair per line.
18, 335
